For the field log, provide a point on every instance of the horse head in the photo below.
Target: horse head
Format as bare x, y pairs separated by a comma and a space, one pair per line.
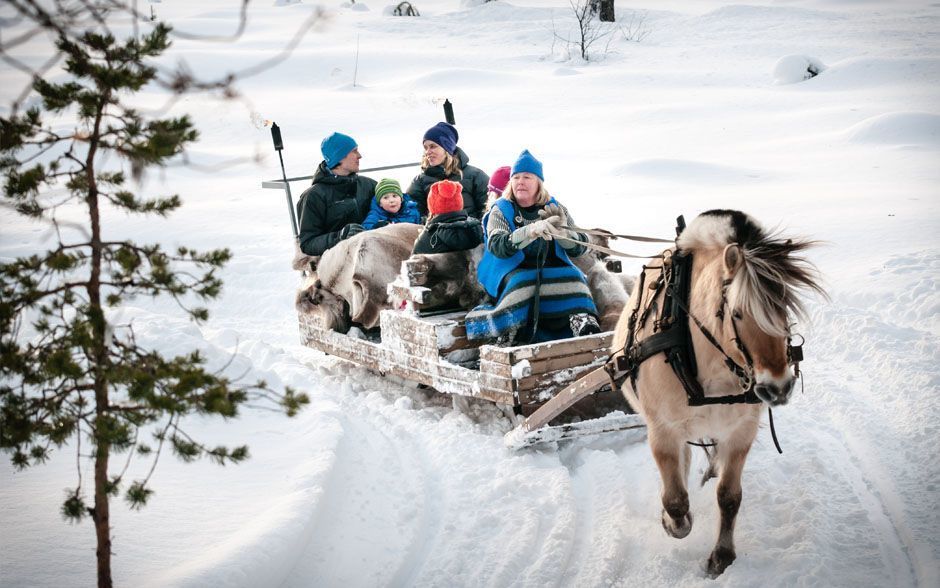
749, 284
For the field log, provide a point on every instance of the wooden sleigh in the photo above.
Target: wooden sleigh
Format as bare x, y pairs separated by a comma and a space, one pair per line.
556, 390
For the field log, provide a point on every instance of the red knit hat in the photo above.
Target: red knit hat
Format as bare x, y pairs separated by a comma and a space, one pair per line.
445, 197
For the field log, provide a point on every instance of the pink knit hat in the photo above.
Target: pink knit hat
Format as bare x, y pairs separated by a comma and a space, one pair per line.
498, 180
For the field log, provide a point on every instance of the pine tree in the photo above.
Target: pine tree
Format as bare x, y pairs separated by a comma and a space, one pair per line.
68, 374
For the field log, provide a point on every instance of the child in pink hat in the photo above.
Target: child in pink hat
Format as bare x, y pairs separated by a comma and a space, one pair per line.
497, 184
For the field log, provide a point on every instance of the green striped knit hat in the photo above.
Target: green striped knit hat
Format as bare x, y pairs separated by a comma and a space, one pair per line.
387, 186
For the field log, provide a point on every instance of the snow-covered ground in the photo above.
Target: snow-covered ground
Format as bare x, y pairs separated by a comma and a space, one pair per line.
380, 484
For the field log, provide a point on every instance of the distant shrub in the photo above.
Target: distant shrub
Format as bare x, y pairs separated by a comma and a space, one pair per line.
792, 69
405, 9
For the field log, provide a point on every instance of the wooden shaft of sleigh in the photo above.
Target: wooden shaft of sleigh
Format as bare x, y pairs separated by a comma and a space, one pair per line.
584, 386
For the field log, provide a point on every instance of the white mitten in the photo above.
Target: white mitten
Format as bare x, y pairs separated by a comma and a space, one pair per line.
551, 210
540, 229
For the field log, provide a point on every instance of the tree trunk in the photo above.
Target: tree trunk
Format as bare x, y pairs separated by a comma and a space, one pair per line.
102, 510
607, 10
102, 517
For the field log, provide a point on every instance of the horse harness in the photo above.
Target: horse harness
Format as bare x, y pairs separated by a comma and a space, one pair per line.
672, 336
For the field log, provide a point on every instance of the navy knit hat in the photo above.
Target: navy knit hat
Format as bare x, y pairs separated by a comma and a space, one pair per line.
444, 135
335, 147
528, 163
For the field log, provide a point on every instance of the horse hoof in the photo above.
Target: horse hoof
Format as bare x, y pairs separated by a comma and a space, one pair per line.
719, 560
678, 529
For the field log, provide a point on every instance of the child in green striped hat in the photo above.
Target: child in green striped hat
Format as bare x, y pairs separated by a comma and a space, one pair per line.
391, 206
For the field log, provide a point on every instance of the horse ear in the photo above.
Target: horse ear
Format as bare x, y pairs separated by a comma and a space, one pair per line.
733, 258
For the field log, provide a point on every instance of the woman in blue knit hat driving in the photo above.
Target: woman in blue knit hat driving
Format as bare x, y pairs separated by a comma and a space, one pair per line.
444, 160
537, 292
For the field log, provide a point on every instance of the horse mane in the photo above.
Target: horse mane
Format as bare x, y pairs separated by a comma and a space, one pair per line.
774, 278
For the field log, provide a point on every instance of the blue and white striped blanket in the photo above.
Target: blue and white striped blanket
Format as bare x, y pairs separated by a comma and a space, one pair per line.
563, 292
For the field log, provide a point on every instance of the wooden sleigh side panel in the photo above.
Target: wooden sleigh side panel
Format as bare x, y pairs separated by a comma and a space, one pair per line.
423, 350
410, 349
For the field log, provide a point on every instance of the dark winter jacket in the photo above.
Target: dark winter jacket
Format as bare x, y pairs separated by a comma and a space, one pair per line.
451, 231
379, 217
474, 183
331, 203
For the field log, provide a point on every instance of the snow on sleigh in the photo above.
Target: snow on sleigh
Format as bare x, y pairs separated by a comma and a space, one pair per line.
368, 301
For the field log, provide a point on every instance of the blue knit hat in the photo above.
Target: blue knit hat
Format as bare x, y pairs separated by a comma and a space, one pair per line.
444, 135
335, 147
528, 163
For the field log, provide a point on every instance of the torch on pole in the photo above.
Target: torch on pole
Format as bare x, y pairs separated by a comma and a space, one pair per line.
449, 112
279, 146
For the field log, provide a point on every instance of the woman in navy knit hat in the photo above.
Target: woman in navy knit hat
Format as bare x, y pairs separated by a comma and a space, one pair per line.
444, 160
538, 293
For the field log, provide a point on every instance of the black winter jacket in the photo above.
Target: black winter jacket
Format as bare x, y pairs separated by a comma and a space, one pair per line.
331, 203
451, 231
474, 182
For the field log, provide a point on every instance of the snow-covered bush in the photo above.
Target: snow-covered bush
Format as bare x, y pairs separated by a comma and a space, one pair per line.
796, 68
401, 9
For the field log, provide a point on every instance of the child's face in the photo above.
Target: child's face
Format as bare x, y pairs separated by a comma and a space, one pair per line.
390, 203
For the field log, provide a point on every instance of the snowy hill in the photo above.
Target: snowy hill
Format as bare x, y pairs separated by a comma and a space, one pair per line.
378, 483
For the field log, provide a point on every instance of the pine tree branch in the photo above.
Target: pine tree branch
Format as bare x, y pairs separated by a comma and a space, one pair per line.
156, 457
21, 39
97, 16
78, 451
130, 455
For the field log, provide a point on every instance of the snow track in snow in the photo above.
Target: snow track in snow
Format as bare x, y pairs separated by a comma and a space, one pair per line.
376, 511
850, 459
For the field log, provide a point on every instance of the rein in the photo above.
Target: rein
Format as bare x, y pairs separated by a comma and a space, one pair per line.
561, 234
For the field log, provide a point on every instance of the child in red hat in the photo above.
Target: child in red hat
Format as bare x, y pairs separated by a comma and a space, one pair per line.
449, 227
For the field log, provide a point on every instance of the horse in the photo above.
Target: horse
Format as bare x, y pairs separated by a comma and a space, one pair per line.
724, 296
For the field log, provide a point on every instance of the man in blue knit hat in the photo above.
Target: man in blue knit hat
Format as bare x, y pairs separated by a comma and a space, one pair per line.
333, 208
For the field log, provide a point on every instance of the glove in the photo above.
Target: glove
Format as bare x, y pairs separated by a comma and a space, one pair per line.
540, 229
551, 210
350, 230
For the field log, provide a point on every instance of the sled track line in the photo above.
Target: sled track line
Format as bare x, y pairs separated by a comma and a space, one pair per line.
370, 533
428, 519
870, 483
429, 528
